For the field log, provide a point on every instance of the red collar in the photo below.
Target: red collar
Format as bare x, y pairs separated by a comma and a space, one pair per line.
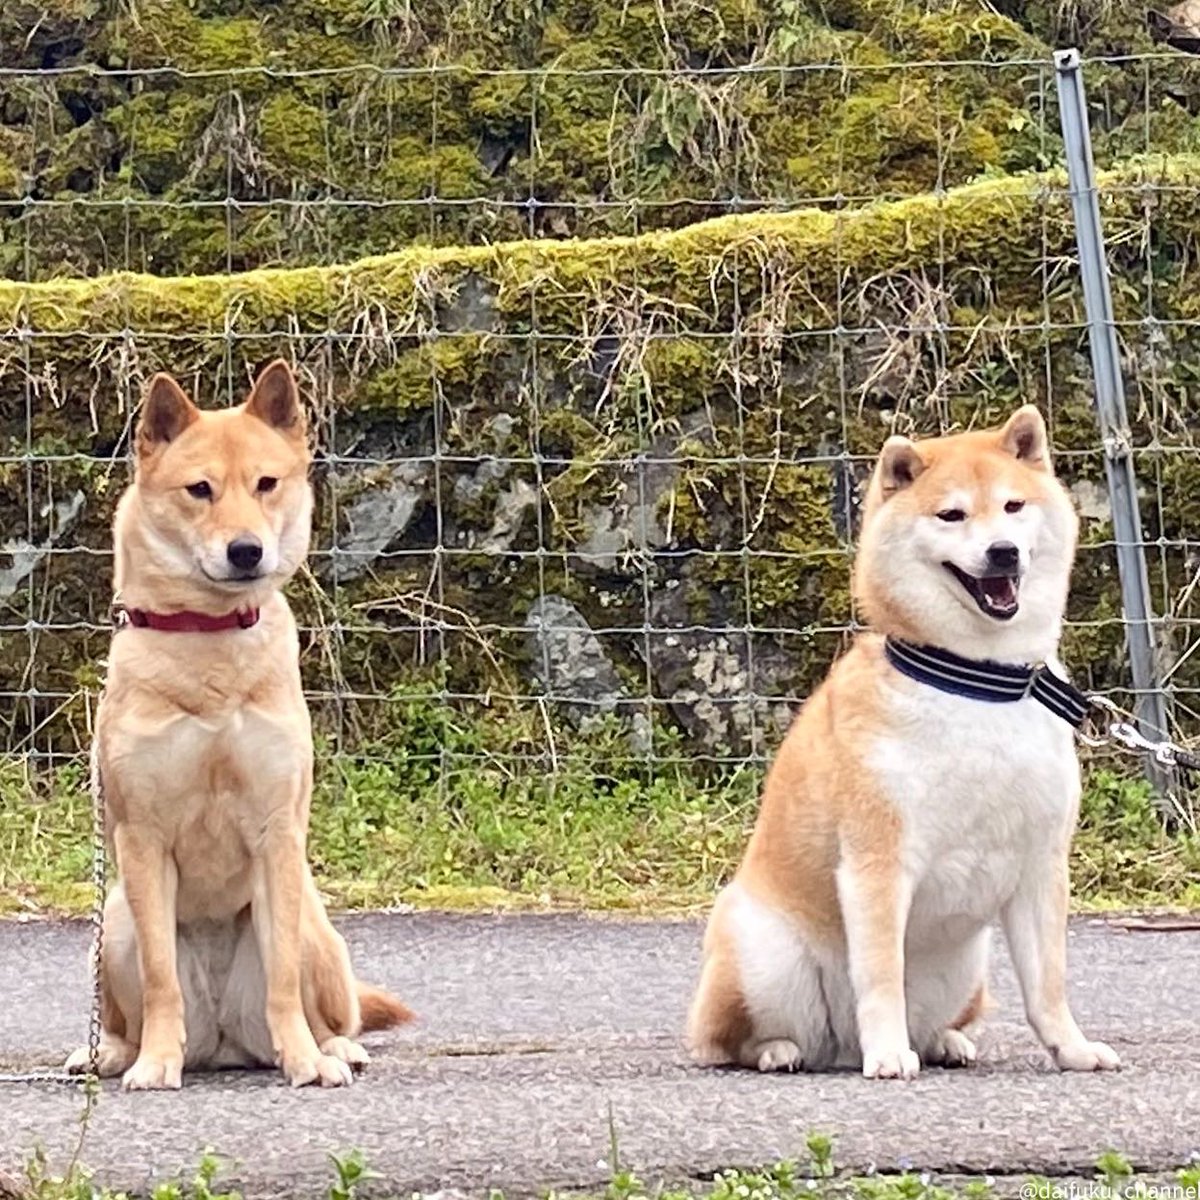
185, 622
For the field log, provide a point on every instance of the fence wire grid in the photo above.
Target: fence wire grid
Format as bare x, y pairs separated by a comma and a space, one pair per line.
587, 472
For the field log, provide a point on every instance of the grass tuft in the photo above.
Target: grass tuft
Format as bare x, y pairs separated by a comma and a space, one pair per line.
443, 813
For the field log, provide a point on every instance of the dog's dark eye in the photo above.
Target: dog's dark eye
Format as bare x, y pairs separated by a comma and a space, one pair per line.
1014, 506
267, 483
952, 514
200, 491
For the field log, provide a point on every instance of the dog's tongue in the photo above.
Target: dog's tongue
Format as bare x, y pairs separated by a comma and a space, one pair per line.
1000, 592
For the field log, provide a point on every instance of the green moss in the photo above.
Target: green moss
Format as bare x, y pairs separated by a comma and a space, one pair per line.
168, 31
10, 178
569, 433
412, 382
774, 526
953, 32
161, 136
293, 135
601, 152
679, 374
413, 172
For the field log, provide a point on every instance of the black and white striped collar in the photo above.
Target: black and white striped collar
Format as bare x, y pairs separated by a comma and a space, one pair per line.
992, 682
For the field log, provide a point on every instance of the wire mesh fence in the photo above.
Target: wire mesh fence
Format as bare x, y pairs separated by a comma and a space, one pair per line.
592, 431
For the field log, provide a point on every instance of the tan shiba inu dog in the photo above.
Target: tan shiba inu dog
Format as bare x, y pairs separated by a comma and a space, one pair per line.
901, 818
217, 948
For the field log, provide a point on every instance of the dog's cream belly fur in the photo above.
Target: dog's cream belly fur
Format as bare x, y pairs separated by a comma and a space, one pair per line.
212, 782
797, 989
975, 786
221, 976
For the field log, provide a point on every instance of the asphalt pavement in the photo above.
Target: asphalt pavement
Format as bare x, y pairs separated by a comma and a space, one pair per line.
545, 1039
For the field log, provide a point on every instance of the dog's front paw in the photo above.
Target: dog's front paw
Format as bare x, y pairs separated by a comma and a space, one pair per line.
153, 1072
898, 1063
1087, 1056
324, 1069
350, 1052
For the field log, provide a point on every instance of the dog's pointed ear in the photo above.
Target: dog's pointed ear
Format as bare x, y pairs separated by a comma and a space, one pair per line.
1024, 437
275, 399
900, 465
166, 413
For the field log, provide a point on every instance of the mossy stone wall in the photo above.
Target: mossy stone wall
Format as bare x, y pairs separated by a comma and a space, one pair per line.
670, 432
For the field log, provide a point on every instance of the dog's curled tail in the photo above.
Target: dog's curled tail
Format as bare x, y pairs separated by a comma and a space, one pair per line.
380, 1009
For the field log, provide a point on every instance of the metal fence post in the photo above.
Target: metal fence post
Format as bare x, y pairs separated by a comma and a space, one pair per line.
1111, 415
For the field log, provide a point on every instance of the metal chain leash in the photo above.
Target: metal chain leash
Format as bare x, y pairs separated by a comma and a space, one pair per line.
99, 884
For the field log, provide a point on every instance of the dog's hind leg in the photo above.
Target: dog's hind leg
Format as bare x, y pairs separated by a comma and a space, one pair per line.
114, 1057
947, 995
953, 1047
115, 1053
719, 1022
762, 999
120, 1023
121, 1008
328, 987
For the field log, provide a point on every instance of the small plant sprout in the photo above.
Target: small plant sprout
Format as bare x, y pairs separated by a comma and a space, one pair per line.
1114, 1168
820, 1150
351, 1170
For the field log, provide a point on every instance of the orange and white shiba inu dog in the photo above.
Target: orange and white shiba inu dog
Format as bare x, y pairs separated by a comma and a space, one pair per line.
904, 812
217, 950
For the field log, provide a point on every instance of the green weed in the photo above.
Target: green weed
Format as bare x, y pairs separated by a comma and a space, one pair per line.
351, 1170
469, 809
780, 1181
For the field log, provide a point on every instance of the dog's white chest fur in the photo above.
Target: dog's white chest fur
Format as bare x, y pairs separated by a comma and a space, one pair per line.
977, 787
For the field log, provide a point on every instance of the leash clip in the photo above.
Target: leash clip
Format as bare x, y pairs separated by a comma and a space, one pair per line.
1105, 725
1165, 753
1127, 735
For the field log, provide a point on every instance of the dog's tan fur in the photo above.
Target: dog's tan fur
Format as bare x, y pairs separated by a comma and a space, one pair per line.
218, 950
896, 823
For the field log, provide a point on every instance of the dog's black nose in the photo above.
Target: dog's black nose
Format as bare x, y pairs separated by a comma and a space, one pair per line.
245, 553
1003, 556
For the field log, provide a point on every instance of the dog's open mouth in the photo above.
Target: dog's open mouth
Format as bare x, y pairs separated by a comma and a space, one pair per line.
996, 595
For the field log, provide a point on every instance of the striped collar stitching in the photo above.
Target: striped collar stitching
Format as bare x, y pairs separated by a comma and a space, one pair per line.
991, 682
